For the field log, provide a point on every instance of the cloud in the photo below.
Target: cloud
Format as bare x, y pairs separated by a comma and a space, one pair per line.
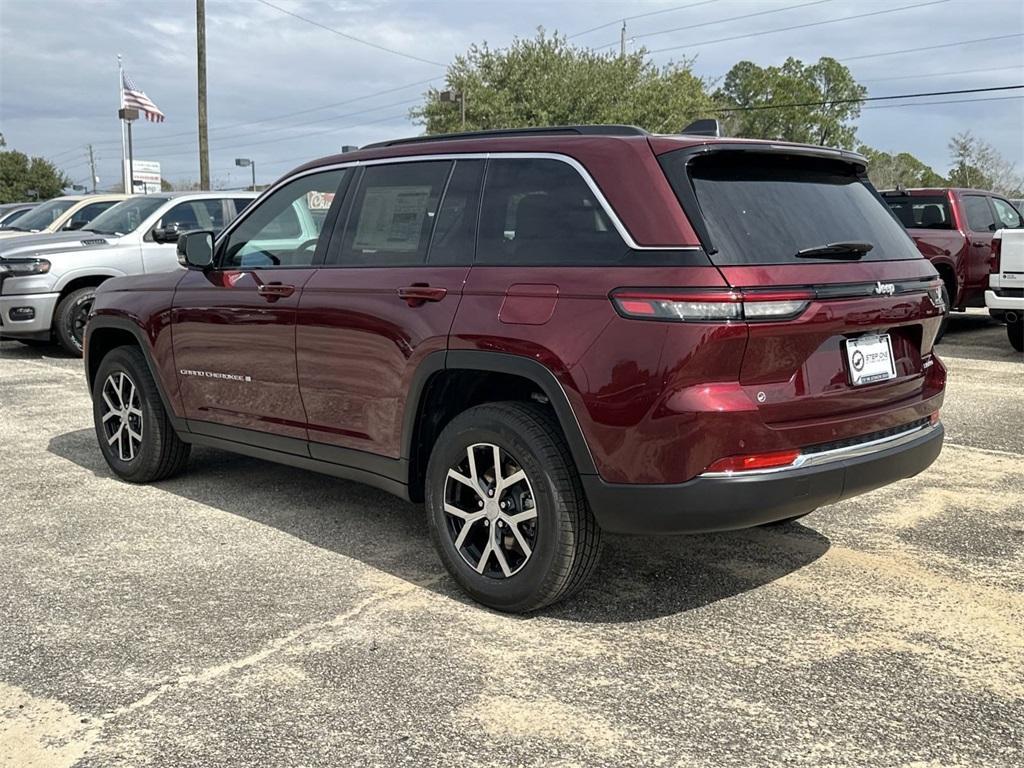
58, 69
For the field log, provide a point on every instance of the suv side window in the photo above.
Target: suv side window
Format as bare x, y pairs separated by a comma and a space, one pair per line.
979, 214
454, 238
392, 215
87, 213
195, 214
284, 229
542, 212
1007, 214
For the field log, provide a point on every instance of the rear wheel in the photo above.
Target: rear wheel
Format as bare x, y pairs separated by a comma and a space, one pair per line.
71, 316
1015, 333
506, 508
132, 427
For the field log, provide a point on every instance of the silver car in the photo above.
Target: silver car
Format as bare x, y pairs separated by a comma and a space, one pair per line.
47, 282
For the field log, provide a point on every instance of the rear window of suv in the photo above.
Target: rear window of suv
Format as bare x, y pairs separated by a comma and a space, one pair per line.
920, 211
763, 209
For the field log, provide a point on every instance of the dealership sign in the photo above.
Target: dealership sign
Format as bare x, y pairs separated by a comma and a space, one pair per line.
145, 176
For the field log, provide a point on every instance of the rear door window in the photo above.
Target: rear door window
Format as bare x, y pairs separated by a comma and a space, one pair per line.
920, 211
392, 215
454, 237
764, 209
979, 214
541, 212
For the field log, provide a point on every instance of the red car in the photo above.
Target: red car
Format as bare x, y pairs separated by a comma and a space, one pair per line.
953, 229
543, 334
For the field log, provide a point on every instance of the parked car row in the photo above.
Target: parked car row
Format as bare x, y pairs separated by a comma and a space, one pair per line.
544, 335
48, 279
61, 214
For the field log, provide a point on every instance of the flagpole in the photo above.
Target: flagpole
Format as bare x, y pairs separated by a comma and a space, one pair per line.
124, 149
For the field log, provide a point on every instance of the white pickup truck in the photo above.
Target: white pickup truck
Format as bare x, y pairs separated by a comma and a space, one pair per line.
1005, 293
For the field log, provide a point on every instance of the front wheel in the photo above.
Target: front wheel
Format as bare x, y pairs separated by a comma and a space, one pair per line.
506, 508
132, 427
70, 318
1015, 333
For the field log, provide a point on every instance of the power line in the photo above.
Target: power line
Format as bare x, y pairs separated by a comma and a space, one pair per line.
799, 26
351, 37
638, 16
872, 98
932, 47
723, 21
948, 101
924, 76
284, 115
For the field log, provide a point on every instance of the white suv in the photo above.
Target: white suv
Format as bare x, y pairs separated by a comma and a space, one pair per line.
47, 282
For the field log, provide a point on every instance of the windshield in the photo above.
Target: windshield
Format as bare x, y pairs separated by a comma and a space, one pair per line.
765, 209
920, 211
125, 217
42, 216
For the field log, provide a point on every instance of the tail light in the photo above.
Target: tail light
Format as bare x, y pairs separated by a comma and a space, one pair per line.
711, 305
994, 256
754, 461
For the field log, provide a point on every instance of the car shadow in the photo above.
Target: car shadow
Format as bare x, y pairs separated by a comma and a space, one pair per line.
16, 350
638, 578
976, 335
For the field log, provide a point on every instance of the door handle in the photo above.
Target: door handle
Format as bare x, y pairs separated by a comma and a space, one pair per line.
274, 291
419, 293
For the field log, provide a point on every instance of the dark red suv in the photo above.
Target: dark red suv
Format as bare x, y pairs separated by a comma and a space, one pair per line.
544, 334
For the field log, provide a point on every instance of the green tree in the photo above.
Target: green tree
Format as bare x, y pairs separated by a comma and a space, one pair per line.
887, 171
547, 81
755, 94
25, 178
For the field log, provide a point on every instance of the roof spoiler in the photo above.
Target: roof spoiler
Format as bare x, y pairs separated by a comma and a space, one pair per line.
706, 127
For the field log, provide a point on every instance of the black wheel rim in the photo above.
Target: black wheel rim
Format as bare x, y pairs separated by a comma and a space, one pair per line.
79, 320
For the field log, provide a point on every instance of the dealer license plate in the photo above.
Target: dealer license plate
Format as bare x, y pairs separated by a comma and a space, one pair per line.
869, 359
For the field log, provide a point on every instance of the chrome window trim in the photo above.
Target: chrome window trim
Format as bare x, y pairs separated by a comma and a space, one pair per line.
572, 162
822, 458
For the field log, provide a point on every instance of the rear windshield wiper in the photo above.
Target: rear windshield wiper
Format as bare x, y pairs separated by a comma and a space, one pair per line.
851, 251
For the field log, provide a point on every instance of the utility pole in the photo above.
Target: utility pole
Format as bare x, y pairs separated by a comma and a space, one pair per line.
92, 169
622, 40
204, 148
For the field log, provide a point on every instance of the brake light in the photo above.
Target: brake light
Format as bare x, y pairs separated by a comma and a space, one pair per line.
994, 256
755, 461
710, 305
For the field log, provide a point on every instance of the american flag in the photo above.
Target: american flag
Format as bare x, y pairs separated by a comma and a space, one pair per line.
137, 99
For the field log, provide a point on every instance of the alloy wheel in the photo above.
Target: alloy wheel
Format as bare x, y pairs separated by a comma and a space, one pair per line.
122, 415
491, 511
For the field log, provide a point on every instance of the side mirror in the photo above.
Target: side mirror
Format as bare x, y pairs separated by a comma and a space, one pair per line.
195, 249
168, 234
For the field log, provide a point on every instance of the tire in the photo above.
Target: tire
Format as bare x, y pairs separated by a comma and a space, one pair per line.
945, 315
562, 536
70, 316
1015, 333
158, 453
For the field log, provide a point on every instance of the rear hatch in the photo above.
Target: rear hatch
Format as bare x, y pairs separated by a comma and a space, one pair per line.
841, 308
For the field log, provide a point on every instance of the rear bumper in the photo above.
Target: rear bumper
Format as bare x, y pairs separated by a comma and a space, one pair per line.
743, 500
995, 301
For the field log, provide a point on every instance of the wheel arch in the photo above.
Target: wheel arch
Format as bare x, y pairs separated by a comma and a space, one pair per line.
947, 271
448, 383
105, 333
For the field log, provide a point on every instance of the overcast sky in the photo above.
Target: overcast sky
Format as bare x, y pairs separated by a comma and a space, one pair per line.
58, 68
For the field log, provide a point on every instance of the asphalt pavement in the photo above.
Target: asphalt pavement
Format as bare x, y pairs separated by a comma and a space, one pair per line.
248, 614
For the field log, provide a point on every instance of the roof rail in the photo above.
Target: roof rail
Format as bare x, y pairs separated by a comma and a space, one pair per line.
579, 130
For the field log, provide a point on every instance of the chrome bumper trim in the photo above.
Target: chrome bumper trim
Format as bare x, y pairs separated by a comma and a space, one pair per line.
820, 458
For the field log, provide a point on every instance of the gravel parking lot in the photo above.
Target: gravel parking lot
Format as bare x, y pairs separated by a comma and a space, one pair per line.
247, 614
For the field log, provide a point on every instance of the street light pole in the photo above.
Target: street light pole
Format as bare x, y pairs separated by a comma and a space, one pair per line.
245, 162
127, 115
